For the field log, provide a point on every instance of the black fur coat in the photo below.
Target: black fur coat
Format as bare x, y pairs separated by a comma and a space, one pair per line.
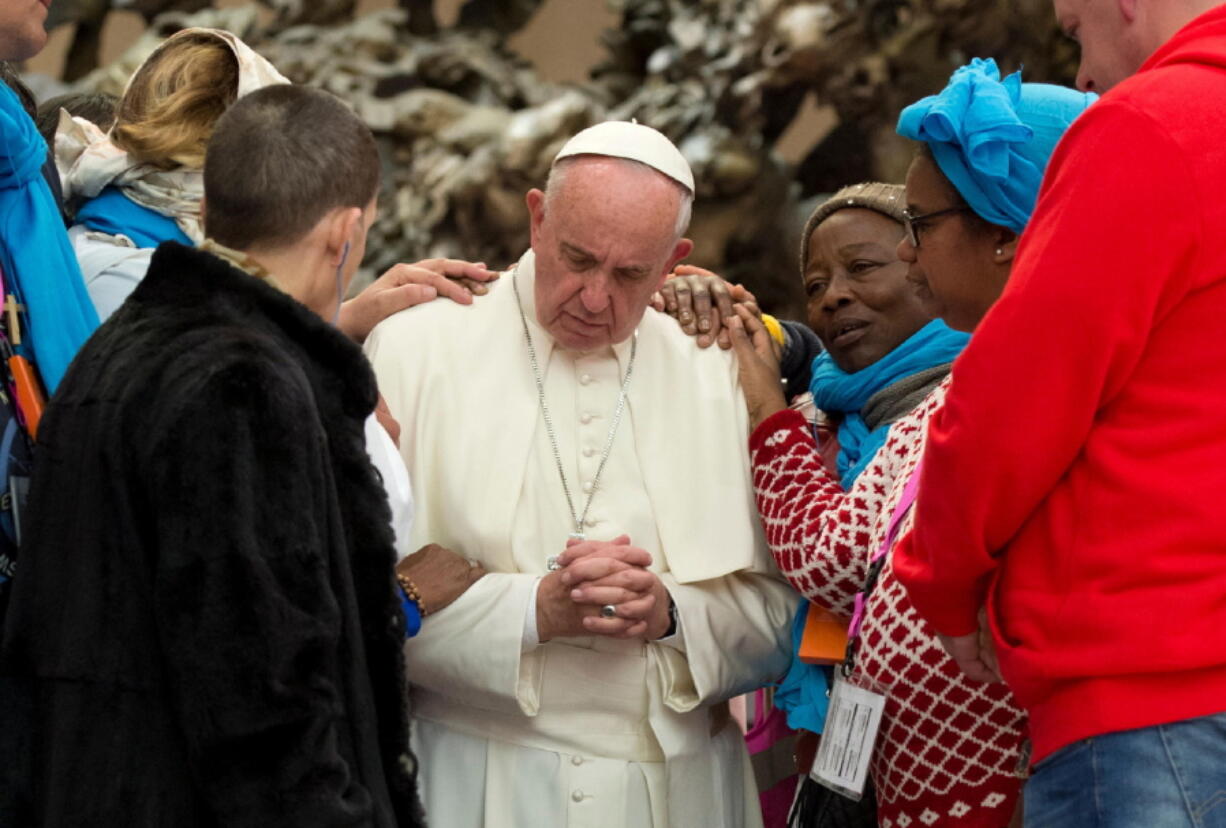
204, 629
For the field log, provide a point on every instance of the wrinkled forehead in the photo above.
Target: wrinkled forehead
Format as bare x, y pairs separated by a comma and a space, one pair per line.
614, 175
598, 200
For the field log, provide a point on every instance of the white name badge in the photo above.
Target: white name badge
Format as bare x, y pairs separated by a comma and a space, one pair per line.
846, 749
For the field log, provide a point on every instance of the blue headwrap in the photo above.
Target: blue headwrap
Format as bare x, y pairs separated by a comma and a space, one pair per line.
38, 262
993, 138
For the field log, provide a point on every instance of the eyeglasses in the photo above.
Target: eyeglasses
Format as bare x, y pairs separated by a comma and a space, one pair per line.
914, 224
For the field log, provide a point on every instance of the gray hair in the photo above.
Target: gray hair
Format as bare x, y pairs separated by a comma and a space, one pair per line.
685, 207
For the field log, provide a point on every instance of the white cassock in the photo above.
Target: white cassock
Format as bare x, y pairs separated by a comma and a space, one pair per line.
586, 731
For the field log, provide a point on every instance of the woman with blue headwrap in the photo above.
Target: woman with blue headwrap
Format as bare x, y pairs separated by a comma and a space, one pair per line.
971, 189
949, 748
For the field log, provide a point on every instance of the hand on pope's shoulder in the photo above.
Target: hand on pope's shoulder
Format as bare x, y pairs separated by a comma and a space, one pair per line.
757, 356
406, 285
702, 302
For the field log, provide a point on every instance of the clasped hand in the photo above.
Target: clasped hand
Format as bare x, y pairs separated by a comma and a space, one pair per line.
594, 574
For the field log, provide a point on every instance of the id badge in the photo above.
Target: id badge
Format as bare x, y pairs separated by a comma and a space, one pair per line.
852, 722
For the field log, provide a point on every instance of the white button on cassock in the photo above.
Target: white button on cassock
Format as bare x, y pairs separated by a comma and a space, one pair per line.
576, 760
585, 379
585, 419
589, 451
587, 487
577, 796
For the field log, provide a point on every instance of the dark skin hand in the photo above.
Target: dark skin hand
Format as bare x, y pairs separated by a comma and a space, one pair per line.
440, 575
702, 302
758, 362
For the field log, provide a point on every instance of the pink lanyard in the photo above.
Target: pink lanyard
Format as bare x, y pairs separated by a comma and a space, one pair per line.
877, 562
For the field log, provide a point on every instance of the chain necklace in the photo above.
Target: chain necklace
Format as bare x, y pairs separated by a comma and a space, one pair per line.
578, 519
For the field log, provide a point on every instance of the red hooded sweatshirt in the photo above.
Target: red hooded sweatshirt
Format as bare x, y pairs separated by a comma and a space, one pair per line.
1075, 481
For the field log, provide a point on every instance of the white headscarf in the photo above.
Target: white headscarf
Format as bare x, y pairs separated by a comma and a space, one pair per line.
89, 161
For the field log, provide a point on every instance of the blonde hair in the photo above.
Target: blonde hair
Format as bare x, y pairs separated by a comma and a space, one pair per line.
172, 105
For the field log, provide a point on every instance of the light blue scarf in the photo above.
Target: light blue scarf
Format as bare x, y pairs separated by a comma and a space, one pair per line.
837, 392
802, 692
38, 262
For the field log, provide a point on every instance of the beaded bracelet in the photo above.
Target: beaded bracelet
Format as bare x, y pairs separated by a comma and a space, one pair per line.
412, 615
410, 589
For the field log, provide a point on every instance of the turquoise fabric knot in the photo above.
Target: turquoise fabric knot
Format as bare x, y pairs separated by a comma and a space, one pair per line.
992, 138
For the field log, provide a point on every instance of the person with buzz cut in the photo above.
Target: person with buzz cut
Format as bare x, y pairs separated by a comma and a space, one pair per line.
206, 629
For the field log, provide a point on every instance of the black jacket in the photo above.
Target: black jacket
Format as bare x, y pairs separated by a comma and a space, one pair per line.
204, 629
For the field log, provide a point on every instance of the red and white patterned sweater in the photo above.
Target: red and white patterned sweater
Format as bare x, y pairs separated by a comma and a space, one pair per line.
949, 747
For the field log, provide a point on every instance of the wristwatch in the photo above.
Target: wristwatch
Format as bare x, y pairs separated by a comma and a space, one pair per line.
672, 618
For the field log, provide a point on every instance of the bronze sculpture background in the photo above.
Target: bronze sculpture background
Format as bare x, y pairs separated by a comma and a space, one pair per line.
466, 125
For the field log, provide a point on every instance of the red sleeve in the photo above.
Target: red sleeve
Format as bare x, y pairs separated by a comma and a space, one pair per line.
1107, 253
818, 534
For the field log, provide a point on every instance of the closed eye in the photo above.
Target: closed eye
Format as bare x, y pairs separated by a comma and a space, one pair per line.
631, 274
863, 266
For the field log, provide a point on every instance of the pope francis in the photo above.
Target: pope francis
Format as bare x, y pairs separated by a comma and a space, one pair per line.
581, 448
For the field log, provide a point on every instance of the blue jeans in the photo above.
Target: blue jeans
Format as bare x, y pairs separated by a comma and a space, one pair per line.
1168, 776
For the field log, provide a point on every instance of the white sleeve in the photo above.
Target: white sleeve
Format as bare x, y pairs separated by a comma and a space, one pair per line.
532, 634
471, 649
737, 638
390, 465
111, 266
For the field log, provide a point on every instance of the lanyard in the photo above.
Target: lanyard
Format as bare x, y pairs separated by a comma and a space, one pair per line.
877, 563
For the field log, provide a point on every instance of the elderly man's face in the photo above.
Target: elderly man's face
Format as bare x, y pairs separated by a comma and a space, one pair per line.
22, 34
1109, 41
605, 240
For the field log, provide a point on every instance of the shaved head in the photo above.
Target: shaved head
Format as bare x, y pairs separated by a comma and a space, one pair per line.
1117, 36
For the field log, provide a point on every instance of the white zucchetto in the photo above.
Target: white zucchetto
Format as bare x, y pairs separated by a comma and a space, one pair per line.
636, 142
